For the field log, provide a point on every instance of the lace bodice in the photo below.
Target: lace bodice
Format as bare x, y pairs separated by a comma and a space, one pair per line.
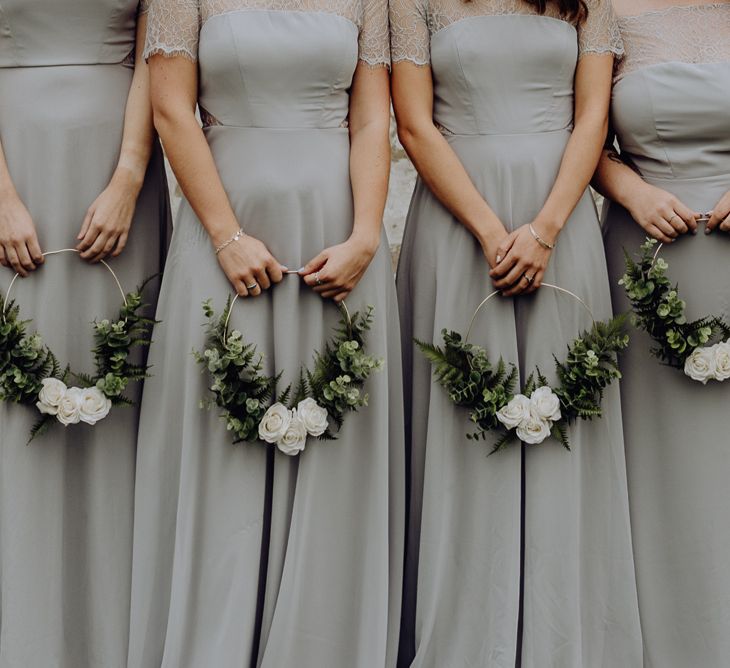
697, 33
174, 25
414, 22
39, 33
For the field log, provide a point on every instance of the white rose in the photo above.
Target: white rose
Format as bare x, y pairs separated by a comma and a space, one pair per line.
700, 365
722, 361
295, 438
274, 424
534, 430
515, 412
69, 410
50, 395
94, 406
545, 404
313, 416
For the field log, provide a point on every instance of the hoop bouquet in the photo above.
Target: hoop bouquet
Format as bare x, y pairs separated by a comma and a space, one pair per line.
701, 348
32, 375
315, 407
487, 389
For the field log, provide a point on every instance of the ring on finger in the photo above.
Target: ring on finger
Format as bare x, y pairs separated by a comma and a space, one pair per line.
317, 280
253, 286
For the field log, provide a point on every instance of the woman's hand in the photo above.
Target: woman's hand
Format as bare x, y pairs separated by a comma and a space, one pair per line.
337, 270
720, 216
521, 263
19, 247
250, 267
660, 214
105, 229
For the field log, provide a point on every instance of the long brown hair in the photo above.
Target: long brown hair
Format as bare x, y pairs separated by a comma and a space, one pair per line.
573, 9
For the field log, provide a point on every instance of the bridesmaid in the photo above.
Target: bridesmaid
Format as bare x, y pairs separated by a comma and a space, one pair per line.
243, 555
670, 113
522, 558
78, 168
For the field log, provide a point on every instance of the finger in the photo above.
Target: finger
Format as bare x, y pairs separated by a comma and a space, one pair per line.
725, 225
687, 215
315, 264
121, 244
262, 278
521, 286
86, 224
34, 248
665, 227
505, 248
327, 287
657, 234
250, 285
15, 261
504, 267
536, 282
331, 292
316, 279
92, 234
108, 247
717, 217
677, 222
512, 277
3, 258
275, 272
340, 297
24, 257
94, 253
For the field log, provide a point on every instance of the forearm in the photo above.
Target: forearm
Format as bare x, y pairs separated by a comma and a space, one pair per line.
614, 179
576, 169
196, 172
139, 132
442, 171
369, 173
7, 187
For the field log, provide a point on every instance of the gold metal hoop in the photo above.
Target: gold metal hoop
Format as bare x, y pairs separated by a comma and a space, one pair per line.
557, 288
58, 252
342, 305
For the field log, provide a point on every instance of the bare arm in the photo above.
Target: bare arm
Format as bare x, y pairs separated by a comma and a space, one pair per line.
340, 268
525, 259
107, 223
435, 160
659, 213
19, 247
174, 84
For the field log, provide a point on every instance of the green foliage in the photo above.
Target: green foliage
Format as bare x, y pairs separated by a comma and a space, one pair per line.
25, 360
589, 368
465, 371
238, 385
244, 392
660, 312
471, 381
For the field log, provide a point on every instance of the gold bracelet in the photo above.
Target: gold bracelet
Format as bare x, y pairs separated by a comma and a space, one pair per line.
227, 243
540, 240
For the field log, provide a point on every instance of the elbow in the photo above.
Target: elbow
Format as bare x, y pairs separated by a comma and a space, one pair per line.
409, 135
167, 116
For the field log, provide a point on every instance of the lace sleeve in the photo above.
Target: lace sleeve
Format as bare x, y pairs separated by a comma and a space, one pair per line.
599, 32
374, 46
173, 28
409, 34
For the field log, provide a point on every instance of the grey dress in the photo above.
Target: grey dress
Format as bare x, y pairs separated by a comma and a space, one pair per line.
670, 112
522, 558
66, 501
244, 556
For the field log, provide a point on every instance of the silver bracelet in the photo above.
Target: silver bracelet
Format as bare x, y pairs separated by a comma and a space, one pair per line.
227, 243
540, 240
